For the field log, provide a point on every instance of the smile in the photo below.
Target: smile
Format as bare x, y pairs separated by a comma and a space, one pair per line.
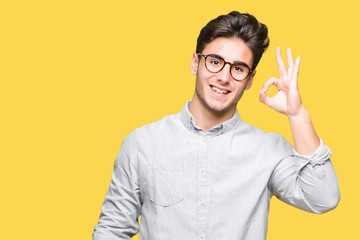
215, 89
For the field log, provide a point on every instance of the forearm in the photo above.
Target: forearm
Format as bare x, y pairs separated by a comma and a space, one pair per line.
304, 135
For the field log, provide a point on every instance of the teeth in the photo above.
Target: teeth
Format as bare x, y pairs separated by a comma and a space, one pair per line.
219, 91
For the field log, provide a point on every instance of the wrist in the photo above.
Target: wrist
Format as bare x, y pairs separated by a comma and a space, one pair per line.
299, 114
305, 138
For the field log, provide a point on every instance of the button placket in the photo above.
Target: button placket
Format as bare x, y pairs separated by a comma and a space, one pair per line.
202, 214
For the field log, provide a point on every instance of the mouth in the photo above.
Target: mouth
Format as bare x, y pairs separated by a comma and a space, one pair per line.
219, 91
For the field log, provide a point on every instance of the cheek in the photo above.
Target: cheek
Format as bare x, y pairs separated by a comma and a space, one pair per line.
200, 85
202, 79
240, 89
204, 73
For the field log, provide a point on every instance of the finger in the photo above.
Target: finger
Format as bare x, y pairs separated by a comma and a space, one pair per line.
295, 73
290, 60
264, 98
280, 63
269, 82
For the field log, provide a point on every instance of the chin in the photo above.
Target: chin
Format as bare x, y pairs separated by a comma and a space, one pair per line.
220, 108
217, 106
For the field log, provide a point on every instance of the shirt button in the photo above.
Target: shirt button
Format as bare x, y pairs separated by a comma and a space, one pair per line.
202, 235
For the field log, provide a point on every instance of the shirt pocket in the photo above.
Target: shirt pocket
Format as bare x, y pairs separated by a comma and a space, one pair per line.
165, 187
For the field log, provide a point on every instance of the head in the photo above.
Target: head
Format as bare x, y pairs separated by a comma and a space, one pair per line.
236, 25
237, 38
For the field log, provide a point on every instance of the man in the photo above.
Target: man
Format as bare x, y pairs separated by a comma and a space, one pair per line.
205, 174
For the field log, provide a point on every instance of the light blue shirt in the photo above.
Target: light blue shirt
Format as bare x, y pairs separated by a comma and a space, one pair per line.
189, 184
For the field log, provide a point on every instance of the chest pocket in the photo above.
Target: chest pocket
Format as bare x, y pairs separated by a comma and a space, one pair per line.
165, 187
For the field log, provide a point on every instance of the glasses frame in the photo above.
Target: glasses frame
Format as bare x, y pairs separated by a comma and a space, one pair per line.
231, 64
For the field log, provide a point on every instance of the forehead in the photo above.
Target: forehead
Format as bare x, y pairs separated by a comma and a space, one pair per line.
231, 49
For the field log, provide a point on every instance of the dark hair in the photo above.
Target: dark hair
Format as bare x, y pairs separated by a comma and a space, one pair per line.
241, 25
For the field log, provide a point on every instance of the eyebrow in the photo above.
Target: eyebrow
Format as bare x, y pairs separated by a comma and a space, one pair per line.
236, 62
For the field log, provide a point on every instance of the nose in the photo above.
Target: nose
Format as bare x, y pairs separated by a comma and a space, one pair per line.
224, 75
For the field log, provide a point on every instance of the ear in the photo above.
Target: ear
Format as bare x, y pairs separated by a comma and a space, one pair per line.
250, 81
194, 64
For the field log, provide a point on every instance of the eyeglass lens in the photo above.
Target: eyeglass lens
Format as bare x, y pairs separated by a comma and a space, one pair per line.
215, 65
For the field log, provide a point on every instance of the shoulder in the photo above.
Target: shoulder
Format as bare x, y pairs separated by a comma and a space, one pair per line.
159, 127
273, 143
146, 135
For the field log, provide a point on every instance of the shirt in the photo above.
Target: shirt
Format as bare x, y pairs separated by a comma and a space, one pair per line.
188, 184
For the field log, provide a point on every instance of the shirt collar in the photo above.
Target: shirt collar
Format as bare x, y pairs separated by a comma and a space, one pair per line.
189, 122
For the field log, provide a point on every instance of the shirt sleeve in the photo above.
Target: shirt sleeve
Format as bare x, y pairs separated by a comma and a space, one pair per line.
122, 206
307, 182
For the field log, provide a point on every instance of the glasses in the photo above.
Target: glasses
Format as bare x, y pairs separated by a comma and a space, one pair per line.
215, 63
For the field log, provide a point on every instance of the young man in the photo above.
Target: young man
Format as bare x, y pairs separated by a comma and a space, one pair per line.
205, 174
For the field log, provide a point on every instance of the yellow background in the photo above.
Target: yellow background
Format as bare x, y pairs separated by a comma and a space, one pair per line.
78, 76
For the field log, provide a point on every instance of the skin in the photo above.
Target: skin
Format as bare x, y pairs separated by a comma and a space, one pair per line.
288, 101
210, 108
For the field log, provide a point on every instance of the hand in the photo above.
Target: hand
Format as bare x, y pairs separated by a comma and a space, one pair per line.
287, 100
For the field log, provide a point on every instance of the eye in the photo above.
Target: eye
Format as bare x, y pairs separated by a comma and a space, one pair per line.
239, 68
215, 62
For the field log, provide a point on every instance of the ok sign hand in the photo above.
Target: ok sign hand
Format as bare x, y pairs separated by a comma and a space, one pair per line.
287, 100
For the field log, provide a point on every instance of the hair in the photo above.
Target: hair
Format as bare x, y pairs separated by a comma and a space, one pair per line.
239, 25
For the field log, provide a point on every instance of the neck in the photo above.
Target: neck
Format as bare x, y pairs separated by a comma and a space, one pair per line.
207, 118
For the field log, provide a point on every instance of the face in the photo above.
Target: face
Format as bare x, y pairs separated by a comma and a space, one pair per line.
219, 92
